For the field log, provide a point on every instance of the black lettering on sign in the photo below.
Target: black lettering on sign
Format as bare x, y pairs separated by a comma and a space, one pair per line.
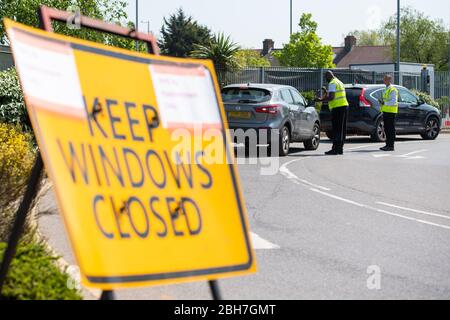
160, 168
101, 198
93, 119
108, 163
133, 200
187, 172
113, 119
135, 183
198, 161
174, 209
158, 216
192, 215
73, 163
136, 218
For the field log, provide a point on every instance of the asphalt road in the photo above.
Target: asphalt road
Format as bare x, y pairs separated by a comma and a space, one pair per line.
365, 225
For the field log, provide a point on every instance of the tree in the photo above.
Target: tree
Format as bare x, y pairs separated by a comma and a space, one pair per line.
369, 37
222, 51
250, 58
305, 48
180, 33
422, 40
25, 11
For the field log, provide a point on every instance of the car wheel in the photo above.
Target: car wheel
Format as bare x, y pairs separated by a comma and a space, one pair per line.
329, 135
313, 143
379, 135
432, 129
284, 141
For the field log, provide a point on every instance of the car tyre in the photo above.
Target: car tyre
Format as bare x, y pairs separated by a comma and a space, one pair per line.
284, 141
313, 143
379, 135
432, 129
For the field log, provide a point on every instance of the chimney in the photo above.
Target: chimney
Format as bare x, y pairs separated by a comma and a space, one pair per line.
268, 45
350, 42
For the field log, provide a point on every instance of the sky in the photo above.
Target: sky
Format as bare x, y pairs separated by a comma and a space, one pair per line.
249, 22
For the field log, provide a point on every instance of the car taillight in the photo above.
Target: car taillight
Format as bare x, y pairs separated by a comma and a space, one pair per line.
363, 102
272, 109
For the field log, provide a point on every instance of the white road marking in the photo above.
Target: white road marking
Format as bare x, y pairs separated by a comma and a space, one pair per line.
322, 190
288, 174
260, 243
414, 210
406, 155
382, 155
380, 210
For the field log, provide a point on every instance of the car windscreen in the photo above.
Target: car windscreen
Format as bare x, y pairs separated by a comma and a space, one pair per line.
245, 95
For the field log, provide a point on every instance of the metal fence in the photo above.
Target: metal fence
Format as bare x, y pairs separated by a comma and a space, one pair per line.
441, 84
313, 79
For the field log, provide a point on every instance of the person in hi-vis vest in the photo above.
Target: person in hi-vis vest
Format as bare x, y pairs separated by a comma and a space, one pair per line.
389, 108
338, 105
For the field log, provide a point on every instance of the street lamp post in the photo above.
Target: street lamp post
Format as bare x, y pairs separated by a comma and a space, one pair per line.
136, 43
290, 21
397, 65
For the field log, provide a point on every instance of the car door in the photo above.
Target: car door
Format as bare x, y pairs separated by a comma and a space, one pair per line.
415, 113
294, 111
305, 123
403, 118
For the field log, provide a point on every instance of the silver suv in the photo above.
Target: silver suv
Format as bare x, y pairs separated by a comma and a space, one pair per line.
279, 110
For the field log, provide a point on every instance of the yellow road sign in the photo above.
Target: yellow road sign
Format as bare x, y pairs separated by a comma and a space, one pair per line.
136, 147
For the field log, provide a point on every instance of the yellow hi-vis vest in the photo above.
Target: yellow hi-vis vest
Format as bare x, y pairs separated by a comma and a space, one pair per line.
340, 99
387, 105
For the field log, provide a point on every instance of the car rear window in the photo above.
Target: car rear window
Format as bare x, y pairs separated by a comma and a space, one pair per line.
353, 95
245, 95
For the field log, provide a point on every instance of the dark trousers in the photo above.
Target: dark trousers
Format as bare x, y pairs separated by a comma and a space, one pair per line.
389, 128
339, 126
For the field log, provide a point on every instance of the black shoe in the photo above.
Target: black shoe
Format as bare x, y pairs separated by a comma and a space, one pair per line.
386, 148
331, 153
340, 152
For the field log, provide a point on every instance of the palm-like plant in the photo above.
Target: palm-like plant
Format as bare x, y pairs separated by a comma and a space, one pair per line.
222, 51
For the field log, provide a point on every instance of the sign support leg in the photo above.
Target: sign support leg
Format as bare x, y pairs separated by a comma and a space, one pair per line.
215, 291
107, 295
21, 216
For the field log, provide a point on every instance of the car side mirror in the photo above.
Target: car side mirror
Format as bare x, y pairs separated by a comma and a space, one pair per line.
420, 102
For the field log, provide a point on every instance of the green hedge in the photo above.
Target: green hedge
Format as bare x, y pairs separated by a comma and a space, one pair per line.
12, 106
34, 276
427, 99
310, 96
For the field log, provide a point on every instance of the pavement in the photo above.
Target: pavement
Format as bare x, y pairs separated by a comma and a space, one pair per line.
365, 225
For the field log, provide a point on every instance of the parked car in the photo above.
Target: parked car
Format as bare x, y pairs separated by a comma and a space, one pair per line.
364, 116
269, 106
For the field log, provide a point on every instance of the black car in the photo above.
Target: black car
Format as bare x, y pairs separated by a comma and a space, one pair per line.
364, 116
279, 110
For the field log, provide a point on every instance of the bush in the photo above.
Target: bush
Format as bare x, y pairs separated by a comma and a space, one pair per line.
443, 102
310, 96
12, 106
16, 160
33, 275
427, 99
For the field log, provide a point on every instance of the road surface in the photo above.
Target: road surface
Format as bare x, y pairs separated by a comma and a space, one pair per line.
365, 225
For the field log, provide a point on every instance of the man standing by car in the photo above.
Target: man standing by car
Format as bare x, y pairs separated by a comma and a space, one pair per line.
337, 103
389, 108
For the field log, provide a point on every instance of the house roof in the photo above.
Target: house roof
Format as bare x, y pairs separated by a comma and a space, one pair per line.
362, 55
